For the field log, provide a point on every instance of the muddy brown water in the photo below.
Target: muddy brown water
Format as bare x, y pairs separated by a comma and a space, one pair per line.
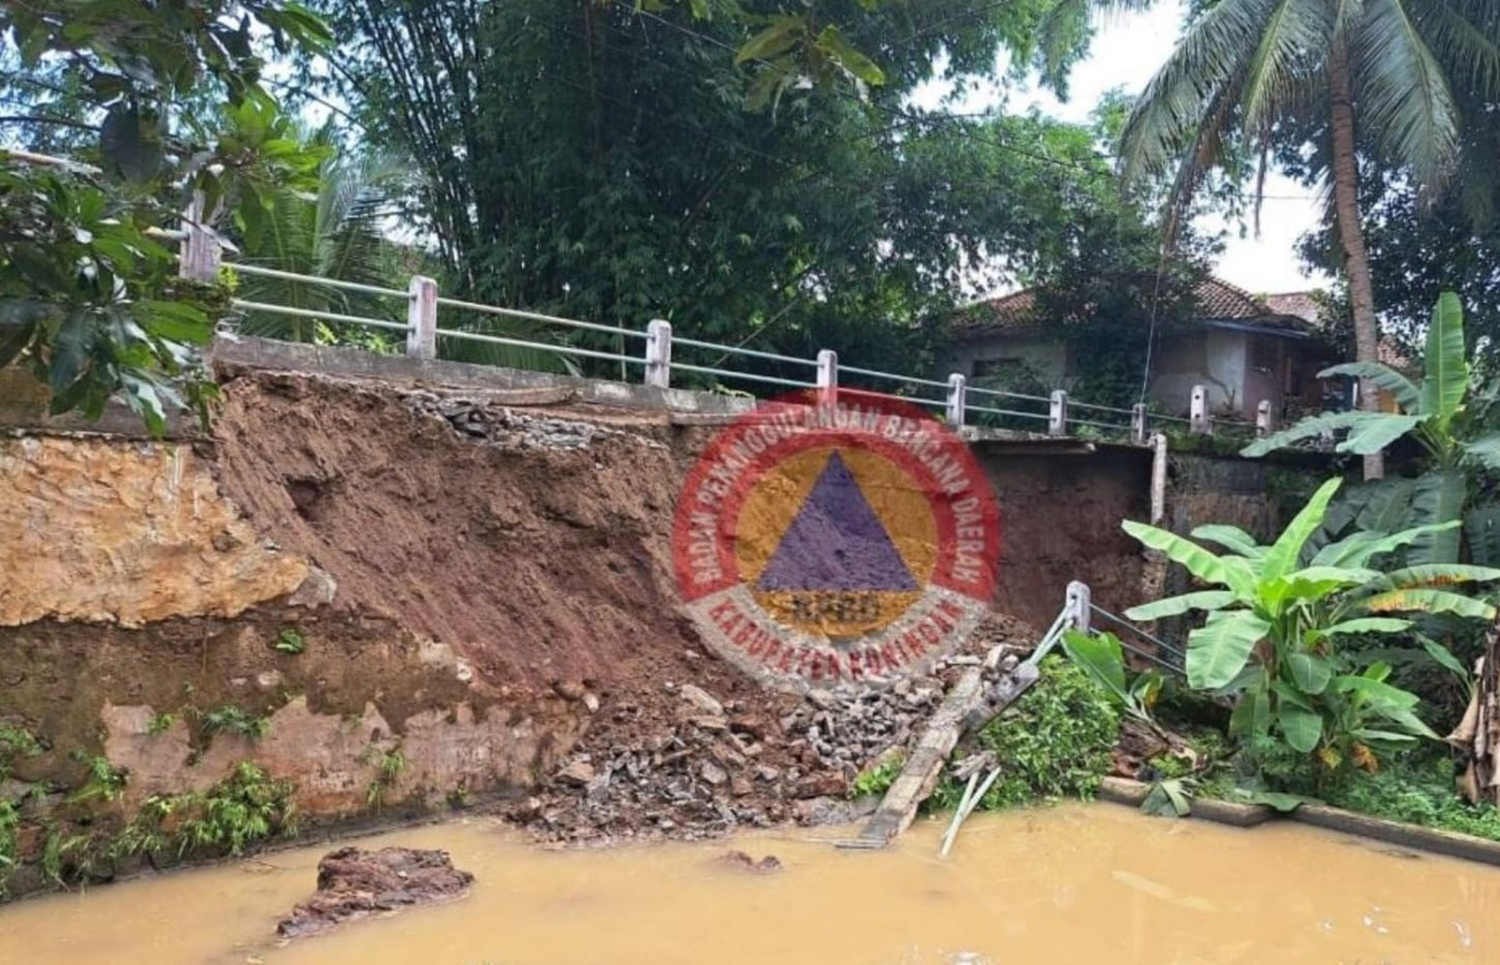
1071, 884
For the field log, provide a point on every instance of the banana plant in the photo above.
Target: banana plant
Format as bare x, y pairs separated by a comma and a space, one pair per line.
1102, 657
1277, 614
1434, 414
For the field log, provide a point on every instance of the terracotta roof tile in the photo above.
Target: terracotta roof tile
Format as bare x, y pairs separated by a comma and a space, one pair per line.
1015, 314
1301, 304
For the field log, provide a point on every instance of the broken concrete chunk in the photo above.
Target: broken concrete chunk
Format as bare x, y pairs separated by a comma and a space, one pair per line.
354, 883
701, 700
318, 588
579, 772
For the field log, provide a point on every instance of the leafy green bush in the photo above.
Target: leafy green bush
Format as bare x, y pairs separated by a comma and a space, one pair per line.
878, 778
1054, 742
231, 719
105, 781
245, 807
1418, 792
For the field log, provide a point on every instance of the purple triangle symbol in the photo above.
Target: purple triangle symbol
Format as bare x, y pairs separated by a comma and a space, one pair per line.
836, 542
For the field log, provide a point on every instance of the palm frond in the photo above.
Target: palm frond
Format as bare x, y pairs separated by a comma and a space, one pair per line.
1169, 115
1465, 38
1403, 93
501, 353
1290, 52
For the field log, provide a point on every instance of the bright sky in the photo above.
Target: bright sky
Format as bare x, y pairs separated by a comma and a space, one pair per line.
1127, 49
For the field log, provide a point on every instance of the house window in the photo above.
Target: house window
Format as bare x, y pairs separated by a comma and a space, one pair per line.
1263, 355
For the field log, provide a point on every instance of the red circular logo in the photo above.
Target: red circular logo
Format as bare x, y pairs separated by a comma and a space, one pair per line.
820, 545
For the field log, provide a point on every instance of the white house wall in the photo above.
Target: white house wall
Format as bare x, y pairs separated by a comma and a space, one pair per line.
1215, 358
1047, 358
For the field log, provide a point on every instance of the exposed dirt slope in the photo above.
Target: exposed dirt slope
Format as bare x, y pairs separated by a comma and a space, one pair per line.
532, 543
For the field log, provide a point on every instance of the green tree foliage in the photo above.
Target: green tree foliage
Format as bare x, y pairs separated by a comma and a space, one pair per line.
335, 232
1420, 245
1454, 435
1246, 68
588, 160
791, 44
1278, 615
89, 300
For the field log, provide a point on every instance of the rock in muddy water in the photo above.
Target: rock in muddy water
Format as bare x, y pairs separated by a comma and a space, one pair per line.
354, 883
739, 859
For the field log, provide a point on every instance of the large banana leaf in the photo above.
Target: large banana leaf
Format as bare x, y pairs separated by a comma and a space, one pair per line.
1312, 583
1301, 724
1375, 435
1360, 548
1101, 657
1252, 715
1310, 672
1175, 605
1482, 527
1447, 369
1424, 600
1377, 693
1198, 561
1231, 538
1218, 650
1485, 450
1438, 497
1384, 506
1310, 428
1365, 625
1282, 557
1436, 574
1402, 389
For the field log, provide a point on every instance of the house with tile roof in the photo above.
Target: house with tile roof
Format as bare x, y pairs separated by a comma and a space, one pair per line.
1240, 347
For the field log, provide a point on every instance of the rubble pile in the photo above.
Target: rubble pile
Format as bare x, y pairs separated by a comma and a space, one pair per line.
683, 763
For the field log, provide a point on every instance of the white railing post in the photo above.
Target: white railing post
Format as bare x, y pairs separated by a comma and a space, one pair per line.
958, 399
1078, 606
828, 377
1138, 423
1199, 421
198, 257
1263, 424
659, 353
1057, 414
421, 317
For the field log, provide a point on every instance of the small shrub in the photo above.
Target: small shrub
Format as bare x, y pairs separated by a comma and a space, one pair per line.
105, 781
1170, 767
144, 834
232, 720
1418, 792
289, 641
160, 724
1054, 742
55, 862
389, 766
245, 807
878, 779
10, 821
16, 742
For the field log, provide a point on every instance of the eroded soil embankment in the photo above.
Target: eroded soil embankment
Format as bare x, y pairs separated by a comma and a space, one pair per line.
395, 598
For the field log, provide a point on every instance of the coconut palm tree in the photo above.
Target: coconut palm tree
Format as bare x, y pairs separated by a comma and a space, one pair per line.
335, 233
1245, 68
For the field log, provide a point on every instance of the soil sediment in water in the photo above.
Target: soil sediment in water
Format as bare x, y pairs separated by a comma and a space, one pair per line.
1074, 883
